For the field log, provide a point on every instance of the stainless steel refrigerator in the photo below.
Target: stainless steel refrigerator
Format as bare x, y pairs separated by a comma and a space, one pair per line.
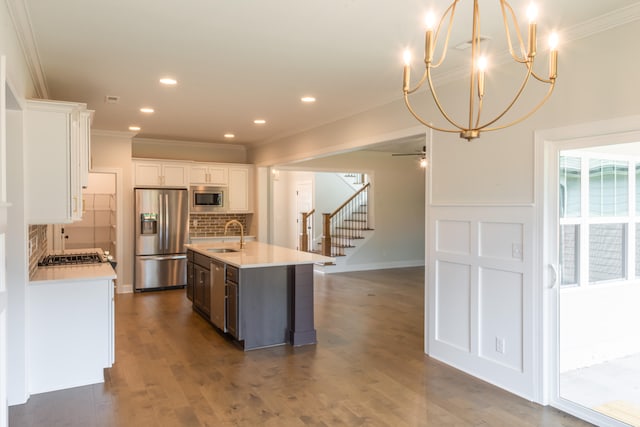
161, 218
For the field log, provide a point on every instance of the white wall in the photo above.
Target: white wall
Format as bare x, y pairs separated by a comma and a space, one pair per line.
21, 87
597, 80
17, 262
188, 150
281, 217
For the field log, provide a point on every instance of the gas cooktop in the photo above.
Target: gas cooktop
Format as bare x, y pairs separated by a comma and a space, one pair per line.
72, 259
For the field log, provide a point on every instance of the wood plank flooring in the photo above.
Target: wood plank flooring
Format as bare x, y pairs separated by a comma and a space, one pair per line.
368, 369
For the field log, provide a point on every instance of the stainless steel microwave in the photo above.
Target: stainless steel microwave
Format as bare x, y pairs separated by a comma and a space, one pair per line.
207, 199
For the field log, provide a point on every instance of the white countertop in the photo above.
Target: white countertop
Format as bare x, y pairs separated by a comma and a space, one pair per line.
257, 254
73, 273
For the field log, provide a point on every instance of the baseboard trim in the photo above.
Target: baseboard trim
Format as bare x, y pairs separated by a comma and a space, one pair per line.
124, 289
345, 268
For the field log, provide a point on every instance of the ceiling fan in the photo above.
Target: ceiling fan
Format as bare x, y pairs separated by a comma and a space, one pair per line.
422, 154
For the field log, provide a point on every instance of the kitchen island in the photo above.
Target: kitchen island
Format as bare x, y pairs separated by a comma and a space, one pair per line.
261, 295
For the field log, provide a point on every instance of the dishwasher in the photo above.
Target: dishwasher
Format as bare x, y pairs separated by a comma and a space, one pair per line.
218, 295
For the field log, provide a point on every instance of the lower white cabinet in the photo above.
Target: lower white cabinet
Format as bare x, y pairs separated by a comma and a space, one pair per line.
71, 333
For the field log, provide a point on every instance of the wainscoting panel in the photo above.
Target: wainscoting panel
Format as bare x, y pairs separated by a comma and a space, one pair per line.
453, 288
453, 236
480, 293
501, 240
500, 317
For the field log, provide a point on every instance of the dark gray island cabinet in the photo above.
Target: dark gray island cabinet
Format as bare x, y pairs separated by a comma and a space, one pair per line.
268, 294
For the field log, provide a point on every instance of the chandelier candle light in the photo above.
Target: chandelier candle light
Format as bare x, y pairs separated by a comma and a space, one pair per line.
478, 68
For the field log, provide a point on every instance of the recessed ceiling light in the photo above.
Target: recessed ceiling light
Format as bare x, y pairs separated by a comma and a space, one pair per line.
134, 128
229, 135
168, 81
259, 121
147, 110
308, 99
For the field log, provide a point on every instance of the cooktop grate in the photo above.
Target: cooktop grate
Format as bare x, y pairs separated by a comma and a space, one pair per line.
71, 259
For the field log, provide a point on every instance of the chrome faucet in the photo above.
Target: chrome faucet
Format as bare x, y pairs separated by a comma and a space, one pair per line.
235, 221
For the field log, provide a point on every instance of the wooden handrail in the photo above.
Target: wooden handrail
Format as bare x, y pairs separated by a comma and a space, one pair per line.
326, 234
364, 187
304, 236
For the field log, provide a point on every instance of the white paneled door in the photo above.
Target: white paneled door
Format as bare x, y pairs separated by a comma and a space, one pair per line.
3, 230
304, 203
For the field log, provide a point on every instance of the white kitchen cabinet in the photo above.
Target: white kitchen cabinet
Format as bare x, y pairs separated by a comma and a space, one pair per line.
71, 333
209, 174
161, 174
57, 159
86, 117
239, 193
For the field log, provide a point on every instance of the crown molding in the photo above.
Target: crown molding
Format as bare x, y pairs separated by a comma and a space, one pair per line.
608, 21
24, 32
113, 133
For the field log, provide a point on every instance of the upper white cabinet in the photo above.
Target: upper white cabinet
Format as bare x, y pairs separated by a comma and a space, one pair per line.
85, 119
239, 192
209, 174
161, 173
57, 160
169, 173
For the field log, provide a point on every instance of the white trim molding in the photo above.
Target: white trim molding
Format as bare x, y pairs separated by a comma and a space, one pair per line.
24, 31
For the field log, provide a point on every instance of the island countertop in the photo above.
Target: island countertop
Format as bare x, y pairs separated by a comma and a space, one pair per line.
257, 254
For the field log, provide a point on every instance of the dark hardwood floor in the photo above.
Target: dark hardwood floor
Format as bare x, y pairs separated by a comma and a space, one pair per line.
368, 369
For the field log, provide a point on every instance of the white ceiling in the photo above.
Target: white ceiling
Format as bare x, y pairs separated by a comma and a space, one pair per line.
237, 60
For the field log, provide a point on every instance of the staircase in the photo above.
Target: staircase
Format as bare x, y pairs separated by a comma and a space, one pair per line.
343, 229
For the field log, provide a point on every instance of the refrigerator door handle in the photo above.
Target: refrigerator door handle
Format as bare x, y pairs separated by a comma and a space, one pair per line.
161, 223
160, 257
166, 222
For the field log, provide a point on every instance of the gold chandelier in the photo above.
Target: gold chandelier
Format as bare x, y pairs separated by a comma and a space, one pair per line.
526, 57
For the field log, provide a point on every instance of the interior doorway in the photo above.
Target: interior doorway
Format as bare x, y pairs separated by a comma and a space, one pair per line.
591, 243
98, 226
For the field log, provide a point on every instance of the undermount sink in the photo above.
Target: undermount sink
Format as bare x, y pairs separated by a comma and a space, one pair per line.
221, 250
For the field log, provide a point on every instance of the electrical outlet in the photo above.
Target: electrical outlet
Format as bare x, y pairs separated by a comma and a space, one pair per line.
500, 345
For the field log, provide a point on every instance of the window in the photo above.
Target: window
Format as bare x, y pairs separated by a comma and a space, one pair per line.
599, 232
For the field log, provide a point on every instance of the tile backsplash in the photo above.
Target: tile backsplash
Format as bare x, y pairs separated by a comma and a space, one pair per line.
212, 225
38, 245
